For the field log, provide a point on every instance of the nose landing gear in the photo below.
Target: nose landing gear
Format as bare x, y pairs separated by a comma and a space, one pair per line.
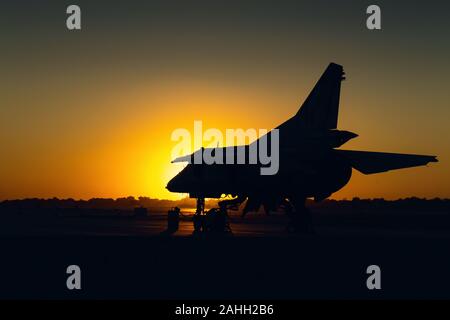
216, 219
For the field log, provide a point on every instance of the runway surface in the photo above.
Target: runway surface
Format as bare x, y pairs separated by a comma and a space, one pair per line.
416, 225
130, 258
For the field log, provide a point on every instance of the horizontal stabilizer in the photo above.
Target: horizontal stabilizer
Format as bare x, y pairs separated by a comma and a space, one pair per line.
374, 162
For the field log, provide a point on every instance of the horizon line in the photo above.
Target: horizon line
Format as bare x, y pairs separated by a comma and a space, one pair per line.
218, 199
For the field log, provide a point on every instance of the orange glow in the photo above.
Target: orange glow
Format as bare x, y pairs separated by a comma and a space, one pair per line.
124, 148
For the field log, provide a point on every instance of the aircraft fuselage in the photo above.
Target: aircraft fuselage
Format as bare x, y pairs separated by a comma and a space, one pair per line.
308, 176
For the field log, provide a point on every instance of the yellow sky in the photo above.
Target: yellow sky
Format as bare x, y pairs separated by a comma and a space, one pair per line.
126, 148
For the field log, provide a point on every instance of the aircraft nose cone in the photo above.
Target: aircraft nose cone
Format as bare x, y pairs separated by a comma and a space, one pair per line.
175, 184
171, 185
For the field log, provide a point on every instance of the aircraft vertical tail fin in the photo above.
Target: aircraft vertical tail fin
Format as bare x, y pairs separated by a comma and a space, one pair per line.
321, 107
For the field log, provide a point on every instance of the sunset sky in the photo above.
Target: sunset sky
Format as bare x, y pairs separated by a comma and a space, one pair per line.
90, 113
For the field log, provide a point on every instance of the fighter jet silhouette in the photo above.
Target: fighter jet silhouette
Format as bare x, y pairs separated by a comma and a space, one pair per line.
310, 166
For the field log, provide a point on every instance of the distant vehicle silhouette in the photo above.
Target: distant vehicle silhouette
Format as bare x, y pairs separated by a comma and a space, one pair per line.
310, 166
173, 219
